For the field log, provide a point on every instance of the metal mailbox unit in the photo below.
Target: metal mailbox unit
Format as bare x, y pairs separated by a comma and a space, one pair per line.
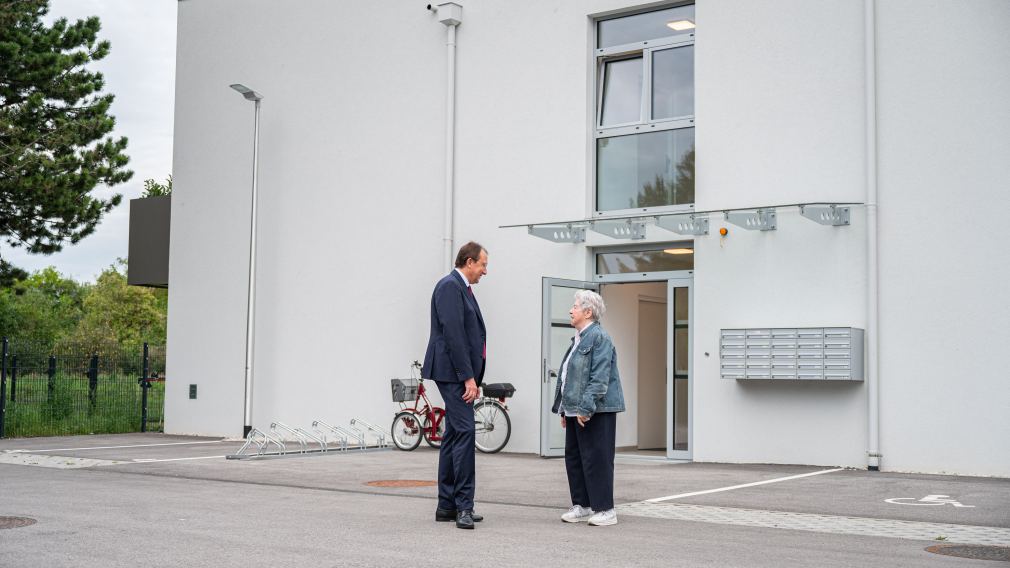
813, 353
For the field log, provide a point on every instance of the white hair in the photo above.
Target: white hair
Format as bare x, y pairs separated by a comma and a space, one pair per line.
589, 300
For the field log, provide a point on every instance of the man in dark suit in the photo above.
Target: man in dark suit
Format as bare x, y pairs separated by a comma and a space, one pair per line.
455, 360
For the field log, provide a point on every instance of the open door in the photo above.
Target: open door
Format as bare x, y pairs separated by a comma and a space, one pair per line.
556, 336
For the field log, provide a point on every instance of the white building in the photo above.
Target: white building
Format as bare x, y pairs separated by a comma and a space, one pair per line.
569, 111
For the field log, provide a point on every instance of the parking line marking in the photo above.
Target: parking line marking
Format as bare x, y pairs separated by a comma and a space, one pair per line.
31, 451
153, 460
756, 483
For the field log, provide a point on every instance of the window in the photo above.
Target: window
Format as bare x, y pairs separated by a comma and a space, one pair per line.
645, 111
675, 256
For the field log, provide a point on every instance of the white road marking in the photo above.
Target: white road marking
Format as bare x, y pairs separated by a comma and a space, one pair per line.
927, 500
833, 524
115, 447
152, 460
756, 483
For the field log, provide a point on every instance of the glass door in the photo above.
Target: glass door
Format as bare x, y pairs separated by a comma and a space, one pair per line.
679, 369
556, 337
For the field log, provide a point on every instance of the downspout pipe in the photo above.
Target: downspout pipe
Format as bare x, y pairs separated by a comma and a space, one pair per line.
449, 14
872, 247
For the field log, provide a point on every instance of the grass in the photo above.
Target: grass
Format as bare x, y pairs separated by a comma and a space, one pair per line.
71, 408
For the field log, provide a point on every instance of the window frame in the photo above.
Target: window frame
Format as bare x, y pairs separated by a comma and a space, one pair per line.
638, 276
645, 50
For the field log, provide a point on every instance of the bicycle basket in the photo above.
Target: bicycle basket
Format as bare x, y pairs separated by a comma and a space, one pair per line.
499, 390
404, 390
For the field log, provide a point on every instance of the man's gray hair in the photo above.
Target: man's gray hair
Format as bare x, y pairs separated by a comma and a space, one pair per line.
589, 300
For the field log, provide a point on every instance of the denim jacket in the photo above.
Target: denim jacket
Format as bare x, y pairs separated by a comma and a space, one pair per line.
591, 384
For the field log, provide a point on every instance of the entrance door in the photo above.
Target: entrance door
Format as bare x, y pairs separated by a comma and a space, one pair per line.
556, 337
679, 369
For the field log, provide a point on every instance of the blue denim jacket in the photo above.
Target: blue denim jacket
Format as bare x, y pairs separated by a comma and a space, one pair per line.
592, 383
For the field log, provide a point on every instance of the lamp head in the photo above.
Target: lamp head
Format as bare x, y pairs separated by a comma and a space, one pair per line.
248, 93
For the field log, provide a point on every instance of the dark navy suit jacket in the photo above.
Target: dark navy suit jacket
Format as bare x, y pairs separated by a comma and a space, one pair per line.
456, 342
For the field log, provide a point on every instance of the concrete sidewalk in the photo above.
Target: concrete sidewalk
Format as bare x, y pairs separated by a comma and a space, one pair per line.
163, 500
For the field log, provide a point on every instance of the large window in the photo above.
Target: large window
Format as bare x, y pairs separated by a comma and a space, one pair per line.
645, 111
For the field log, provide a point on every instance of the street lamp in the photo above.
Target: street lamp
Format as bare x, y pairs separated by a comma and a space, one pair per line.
251, 95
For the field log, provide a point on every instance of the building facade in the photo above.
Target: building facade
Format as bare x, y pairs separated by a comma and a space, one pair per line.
854, 151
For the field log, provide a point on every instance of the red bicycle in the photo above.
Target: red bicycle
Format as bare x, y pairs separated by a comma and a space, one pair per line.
423, 420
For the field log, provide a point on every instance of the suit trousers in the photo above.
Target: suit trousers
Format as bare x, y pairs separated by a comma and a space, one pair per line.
456, 460
589, 460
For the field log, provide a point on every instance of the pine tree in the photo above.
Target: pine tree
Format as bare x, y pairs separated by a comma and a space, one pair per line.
54, 126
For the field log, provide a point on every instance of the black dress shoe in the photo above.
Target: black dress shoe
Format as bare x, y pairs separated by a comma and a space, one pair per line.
464, 520
446, 515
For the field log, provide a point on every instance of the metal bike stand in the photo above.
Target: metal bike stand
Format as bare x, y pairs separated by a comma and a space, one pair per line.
263, 440
340, 437
380, 434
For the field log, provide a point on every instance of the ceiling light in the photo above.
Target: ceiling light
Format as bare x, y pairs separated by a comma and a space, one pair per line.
680, 25
679, 251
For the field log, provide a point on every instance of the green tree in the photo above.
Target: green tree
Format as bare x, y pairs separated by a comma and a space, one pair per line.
54, 126
116, 314
155, 189
45, 307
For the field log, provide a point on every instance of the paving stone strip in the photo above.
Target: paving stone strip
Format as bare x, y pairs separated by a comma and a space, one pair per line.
915, 530
57, 462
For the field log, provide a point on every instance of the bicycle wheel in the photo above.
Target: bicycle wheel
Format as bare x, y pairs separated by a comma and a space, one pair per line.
494, 427
406, 431
426, 427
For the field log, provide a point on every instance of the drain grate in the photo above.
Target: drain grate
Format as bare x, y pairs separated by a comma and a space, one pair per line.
401, 483
16, 522
974, 552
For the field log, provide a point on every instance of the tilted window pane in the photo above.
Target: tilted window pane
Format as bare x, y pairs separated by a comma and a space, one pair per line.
643, 27
644, 261
562, 298
622, 91
673, 82
645, 170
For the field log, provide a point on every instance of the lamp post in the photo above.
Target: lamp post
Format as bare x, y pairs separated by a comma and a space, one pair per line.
251, 95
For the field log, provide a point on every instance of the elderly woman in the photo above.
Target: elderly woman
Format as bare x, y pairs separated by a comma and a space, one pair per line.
588, 399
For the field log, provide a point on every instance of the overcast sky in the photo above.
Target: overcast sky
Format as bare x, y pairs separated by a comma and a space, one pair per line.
140, 71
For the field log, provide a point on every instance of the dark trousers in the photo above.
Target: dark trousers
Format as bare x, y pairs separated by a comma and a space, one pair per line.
456, 462
589, 460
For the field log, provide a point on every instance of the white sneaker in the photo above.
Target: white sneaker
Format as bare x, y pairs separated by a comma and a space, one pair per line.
604, 518
577, 514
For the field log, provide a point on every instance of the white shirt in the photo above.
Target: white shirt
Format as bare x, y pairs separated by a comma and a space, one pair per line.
564, 370
463, 276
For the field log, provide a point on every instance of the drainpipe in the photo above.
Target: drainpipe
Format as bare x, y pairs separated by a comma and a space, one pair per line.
872, 248
450, 14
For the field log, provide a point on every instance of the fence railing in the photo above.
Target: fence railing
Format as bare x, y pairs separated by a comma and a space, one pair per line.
75, 389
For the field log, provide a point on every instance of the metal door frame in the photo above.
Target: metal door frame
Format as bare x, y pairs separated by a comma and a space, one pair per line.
671, 285
546, 393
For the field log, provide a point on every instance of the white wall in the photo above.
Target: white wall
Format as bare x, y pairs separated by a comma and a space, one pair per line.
780, 120
351, 184
944, 180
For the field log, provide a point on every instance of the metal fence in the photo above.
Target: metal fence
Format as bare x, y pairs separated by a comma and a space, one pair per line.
74, 389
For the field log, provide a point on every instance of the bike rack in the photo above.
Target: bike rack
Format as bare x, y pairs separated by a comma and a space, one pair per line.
275, 426
262, 441
340, 437
380, 434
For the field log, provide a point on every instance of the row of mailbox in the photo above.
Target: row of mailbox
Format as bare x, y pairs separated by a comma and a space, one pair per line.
792, 353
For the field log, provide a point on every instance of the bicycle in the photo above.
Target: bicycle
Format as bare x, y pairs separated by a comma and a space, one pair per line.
493, 427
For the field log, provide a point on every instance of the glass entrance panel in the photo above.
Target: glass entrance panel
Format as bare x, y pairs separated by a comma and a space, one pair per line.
679, 369
557, 337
